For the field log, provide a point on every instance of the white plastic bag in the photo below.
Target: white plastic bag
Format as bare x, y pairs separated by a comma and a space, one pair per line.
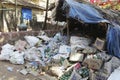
32, 40
32, 54
7, 49
57, 37
17, 57
64, 49
5, 54
75, 40
8, 46
115, 75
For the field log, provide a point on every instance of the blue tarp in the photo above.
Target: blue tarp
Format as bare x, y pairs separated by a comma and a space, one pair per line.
84, 12
113, 40
26, 13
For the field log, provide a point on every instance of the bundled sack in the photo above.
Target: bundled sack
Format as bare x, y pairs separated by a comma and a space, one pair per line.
7, 49
17, 57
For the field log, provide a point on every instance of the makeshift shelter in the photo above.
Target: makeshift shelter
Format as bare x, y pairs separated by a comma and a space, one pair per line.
92, 21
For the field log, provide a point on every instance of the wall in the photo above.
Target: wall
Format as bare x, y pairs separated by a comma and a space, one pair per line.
11, 37
34, 11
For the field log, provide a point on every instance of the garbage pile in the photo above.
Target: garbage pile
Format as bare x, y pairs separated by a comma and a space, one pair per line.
60, 58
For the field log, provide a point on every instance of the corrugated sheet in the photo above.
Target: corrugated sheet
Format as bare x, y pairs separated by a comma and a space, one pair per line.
24, 3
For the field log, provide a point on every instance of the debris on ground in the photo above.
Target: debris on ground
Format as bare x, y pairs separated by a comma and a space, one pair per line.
55, 58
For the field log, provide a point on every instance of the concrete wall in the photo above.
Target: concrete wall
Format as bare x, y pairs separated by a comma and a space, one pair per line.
11, 37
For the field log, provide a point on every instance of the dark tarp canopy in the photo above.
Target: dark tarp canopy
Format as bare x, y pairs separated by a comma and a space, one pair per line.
84, 12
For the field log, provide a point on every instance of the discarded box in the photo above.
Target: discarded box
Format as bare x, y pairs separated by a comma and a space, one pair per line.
89, 50
76, 57
57, 71
94, 64
24, 72
99, 44
107, 68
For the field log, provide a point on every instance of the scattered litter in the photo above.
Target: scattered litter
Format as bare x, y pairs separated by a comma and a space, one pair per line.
32, 40
76, 57
44, 37
57, 71
24, 71
10, 69
64, 49
7, 49
75, 76
34, 73
17, 57
32, 54
54, 56
89, 50
115, 75
99, 44
20, 45
94, 64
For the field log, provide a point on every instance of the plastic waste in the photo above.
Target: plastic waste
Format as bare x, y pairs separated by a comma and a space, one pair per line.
17, 57
75, 40
44, 37
8, 46
20, 45
76, 57
58, 71
57, 37
10, 69
32, 54
32, 40
7, 49
65, 49
115, 75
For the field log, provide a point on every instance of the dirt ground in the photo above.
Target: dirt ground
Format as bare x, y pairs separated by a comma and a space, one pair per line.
14, 74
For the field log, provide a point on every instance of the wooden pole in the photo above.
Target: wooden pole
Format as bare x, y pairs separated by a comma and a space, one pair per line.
68, 32
15, 15
15, 9
44, 25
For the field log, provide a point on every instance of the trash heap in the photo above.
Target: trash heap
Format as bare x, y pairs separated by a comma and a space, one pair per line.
60, 58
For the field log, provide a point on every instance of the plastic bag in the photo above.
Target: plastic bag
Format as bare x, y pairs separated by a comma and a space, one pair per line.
20, 45
5, 54
17, 57
32, 40
7, 49
64, 49
32, 54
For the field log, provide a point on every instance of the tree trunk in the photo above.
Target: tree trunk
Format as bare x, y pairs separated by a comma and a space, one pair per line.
10, 20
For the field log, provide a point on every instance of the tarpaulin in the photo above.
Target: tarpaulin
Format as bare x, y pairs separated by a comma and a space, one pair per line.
84, 12
113, 40
27, 13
